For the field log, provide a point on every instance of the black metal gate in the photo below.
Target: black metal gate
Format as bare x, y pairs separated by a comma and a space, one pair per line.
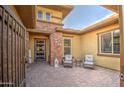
12, 50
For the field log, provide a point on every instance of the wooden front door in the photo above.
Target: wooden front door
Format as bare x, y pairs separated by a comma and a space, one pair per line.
40, 50
12, 49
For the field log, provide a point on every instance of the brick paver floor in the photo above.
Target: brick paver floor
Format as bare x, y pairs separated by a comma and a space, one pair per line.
43, 75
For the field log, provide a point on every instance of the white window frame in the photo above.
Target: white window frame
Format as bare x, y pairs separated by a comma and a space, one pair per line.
64, 46
100, 43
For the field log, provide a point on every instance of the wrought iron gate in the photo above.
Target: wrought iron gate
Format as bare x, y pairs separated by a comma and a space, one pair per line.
12, 50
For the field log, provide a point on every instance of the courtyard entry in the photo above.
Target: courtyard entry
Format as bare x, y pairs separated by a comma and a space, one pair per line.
12, 58
56, 45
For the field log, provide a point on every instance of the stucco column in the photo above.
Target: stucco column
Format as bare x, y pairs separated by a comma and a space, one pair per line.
56, 47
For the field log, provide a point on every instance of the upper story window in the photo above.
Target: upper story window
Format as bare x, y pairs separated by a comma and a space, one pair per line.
44, 16
48, 17
109, 42
40, 15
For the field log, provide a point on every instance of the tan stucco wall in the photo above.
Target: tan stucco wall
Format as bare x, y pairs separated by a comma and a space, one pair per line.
54, 13
89, 46
31, 44
82, 45
76, 44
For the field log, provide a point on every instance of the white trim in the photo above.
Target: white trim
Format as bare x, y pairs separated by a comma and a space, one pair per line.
110, 54
44, 16
100, 43
112, 41
63, 44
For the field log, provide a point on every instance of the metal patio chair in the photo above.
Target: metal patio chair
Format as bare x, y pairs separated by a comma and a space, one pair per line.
68, 61
88, 62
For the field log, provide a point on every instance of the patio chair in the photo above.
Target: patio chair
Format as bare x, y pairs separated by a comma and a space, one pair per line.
68, 61
88, 62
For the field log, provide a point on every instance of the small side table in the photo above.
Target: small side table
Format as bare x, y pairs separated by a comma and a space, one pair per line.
79, 62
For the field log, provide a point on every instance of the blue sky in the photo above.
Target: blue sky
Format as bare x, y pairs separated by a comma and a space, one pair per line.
84, 15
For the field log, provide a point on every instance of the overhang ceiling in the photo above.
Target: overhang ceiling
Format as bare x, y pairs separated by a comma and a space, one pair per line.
27, 14
113, 8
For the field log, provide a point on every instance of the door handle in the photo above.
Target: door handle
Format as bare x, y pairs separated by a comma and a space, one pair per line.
25, 59
121, 76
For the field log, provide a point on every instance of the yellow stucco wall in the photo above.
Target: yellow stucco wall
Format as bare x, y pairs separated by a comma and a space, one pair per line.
81, 45
31, 44
54, 13
89, 46
76, 44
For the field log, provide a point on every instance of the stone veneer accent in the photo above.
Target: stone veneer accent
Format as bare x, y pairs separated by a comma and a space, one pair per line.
47, 26
56, 47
